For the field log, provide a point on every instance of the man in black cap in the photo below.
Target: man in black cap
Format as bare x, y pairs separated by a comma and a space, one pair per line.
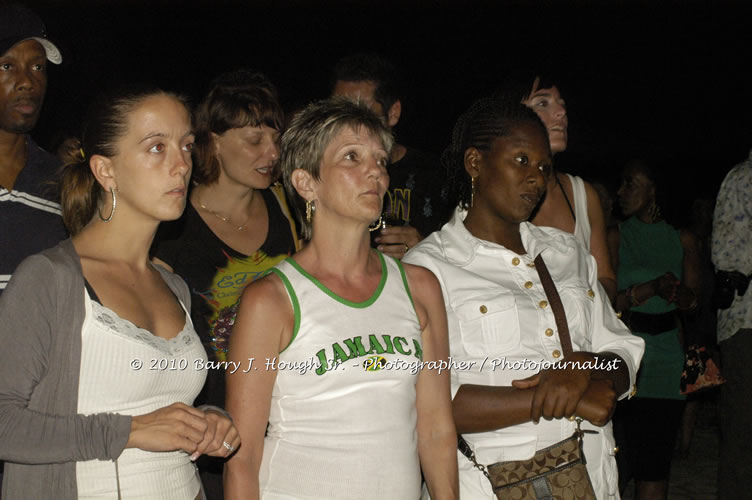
30, 216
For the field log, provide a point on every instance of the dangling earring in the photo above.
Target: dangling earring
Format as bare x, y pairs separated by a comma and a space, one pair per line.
654, 212
114, 204
310, 209
377, 226
472, 191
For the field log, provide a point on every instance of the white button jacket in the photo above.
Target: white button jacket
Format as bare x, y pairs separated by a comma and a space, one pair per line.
500, 327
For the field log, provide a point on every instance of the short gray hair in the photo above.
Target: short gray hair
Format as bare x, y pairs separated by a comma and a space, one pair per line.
310, 132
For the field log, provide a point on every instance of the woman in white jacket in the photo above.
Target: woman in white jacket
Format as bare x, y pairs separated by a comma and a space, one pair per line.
500, 322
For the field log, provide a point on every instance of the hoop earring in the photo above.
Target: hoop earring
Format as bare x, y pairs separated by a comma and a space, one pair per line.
377, 226
114, 205
310, 209
472, 191
654, 212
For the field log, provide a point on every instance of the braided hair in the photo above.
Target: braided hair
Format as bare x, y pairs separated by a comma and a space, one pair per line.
486, 120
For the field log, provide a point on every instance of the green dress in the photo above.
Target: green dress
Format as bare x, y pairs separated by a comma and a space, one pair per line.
647, 251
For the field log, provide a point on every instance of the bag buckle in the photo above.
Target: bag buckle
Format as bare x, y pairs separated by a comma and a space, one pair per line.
542, 489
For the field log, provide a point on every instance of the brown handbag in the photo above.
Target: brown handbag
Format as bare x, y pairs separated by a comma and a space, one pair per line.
557, 472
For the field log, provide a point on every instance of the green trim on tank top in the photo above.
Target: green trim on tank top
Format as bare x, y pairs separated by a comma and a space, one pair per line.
293, 299
323, 288
407, 287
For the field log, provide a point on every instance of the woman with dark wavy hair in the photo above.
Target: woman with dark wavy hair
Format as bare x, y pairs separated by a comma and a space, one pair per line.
237, 223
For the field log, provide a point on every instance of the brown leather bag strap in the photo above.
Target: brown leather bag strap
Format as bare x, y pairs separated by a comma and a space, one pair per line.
556, 306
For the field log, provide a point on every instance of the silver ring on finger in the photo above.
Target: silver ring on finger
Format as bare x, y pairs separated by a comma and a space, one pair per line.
228, 446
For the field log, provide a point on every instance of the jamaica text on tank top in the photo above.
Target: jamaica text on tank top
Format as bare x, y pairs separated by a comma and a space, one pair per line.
342, 423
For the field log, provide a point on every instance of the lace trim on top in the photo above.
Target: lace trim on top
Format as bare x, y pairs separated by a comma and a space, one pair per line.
125, 329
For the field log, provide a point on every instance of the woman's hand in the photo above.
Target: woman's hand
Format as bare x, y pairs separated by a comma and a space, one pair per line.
395, 241
665, 286
598, 403
174, 427
685, 298
221, 438
558, 390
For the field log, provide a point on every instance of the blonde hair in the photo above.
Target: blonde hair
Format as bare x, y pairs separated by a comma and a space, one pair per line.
310, 132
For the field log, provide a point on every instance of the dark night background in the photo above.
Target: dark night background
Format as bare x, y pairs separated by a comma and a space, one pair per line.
668, 83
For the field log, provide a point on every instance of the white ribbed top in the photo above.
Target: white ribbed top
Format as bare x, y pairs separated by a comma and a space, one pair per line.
110, 383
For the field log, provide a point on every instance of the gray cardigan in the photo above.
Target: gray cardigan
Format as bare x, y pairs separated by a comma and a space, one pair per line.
41, 435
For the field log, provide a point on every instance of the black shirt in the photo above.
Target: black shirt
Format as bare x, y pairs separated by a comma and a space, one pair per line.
217, 275
30, 215
415, 196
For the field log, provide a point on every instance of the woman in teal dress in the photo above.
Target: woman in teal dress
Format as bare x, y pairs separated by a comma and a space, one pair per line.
658, 276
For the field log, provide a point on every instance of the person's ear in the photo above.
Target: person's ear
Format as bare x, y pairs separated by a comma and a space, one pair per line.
473, 160
395, 111
103, 171
214, 143
304, 184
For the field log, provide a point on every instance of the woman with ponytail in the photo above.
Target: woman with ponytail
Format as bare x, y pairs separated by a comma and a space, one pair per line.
102, 363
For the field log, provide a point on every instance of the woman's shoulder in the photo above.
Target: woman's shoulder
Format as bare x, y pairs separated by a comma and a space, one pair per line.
419, 275
431, 243
269, 294
62, 258
45, 279
552, 237
176, 284
428, 249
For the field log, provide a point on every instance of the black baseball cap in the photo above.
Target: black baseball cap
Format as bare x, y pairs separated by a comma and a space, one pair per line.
18, 23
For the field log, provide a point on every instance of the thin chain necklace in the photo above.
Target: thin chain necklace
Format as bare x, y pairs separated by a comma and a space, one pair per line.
224, 219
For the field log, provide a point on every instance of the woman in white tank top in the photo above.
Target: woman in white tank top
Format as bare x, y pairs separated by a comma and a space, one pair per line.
99, 406
570, 204
341, 350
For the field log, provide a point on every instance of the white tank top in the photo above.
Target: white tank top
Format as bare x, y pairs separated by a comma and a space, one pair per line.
582, 221
345, 428
112, 381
